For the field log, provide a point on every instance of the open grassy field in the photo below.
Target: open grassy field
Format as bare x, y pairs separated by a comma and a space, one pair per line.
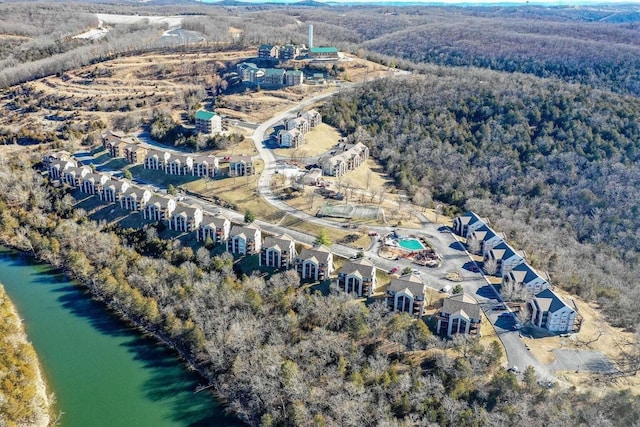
240, 191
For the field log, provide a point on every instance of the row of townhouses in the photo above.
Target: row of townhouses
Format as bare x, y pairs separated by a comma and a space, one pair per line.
346, 157
459, 314
296, 128
170, 162
268, 77
548, 310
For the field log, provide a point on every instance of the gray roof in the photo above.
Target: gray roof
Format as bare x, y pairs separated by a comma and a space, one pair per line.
202, 159
281, 242
525, 273
320, 253
503, 251
411, 282
548, 300
189, 211
137, 191
217, 221
362, 266
163, 202
238, 159
157, 153
116, 184
97, 177
462, 302
246, 230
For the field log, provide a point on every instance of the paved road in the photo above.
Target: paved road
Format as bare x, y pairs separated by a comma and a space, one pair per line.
454, 256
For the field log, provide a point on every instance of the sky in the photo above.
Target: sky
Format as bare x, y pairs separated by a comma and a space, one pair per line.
470, 2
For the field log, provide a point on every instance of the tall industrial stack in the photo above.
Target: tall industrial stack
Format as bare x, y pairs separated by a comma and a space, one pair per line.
310, 36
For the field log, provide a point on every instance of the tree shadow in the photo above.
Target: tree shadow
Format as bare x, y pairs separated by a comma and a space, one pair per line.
506, 321
486, 292
457, 246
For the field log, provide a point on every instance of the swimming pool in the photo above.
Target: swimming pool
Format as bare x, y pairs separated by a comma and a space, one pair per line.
411, 244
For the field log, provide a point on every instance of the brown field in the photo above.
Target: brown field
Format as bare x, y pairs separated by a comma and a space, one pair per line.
320, 140
610, 342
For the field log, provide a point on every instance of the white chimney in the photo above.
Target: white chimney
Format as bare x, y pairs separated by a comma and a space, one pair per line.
310, 36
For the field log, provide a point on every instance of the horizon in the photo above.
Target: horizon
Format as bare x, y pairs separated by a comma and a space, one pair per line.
458, 2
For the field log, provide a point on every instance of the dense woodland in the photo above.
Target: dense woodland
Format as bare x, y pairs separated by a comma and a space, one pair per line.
550, 162
277, 354
554, 165
597, 47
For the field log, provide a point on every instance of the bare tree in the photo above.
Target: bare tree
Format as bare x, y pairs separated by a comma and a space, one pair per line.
490, 266
473, 245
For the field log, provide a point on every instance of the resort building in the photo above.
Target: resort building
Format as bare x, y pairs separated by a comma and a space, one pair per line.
244, 240
351, 158
216, 228
113, 189
159, 208
278, 252
205, 166
135, 153
241, 166
358, 277
460, 314
293, 78
185, 218
315, 264
134, 198
467, 223
156, 160
72, 176
407, 294
208, 122
57, 167
550, 312
324, 53
505, 258
525, 277
290, 138
92, 183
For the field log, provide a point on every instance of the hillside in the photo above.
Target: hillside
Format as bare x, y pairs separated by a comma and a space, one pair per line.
553, 164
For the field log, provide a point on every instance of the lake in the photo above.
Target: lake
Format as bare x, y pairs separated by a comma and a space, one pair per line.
103, 373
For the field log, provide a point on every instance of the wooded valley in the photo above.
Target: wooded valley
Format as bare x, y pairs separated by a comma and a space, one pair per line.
277, 353
528, 116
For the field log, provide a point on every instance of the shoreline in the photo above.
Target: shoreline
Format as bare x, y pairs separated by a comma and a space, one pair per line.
188, 360
41, 403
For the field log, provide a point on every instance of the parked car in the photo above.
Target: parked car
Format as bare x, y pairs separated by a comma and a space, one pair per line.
499, 307
394, 270
373, 234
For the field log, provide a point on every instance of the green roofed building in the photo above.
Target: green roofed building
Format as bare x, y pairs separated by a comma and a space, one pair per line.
293, 78
208, 122
273, 76
324, 52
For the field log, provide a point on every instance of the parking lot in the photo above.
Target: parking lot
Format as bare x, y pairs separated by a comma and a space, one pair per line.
581, 361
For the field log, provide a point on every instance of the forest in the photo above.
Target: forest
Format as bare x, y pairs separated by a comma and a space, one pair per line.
595, 47
553, 164
276, 353
548, 150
